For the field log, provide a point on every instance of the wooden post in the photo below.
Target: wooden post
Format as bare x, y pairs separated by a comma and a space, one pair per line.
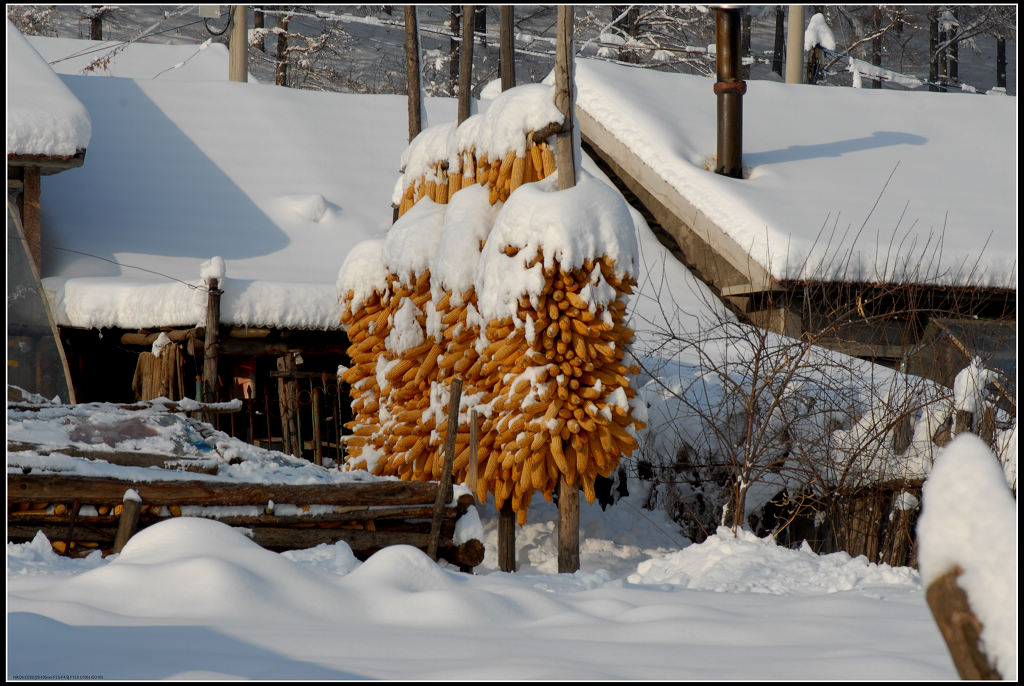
286, 396
212, 342
30, 219
472, 471
568, 526
75, 508
564, 100
281, 62
318, 450
795, 45
959, 626
129, 520
446, 470
507, 537
466, 62
569, 495
507, 47
412, 71
238, 45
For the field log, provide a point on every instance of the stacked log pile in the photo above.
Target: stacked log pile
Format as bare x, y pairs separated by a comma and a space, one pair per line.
80, 515
549, 376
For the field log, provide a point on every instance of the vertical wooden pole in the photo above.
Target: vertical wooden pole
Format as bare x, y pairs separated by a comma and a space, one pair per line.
238, 45
443, 495
466, 62
507, 47
286, 397
129, 519
472, 471
565, 154
412, 71
569, 495
266, 415
211, 346
780, 39
318, 450
75, 509
281, 63
795, 45
507, 537
30, 218
568, 526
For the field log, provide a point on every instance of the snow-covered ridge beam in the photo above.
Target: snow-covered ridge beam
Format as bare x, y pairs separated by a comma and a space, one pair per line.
716, 257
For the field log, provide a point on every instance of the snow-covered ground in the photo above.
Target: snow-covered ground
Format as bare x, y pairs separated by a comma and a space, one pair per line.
195, 599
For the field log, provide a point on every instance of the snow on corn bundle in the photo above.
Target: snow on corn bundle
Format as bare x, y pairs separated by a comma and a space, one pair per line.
494, 276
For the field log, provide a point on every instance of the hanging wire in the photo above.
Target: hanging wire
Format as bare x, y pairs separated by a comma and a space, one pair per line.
49, 246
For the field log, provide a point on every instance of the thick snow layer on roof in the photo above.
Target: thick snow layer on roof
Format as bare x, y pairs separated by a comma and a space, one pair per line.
281, 193
43, 116
207, 61
851, 184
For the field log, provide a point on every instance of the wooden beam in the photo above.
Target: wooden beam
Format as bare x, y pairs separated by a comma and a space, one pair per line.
48, 164
57, 488
30, 216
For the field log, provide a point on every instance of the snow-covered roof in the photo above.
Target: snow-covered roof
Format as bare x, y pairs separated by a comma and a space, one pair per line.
43, 117
922, 186
280, 183
207, 61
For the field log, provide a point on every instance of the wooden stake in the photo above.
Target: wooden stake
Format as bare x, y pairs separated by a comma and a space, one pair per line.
466, 62
959, 626
568, 527
507, 47
474, 444
507, 537
564, 100
446, 471
210, 345
128, 522
412, 71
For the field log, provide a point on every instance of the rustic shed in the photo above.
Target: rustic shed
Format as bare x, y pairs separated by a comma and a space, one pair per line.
791, 246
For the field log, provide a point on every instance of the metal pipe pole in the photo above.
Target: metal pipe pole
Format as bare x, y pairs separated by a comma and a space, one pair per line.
729, 90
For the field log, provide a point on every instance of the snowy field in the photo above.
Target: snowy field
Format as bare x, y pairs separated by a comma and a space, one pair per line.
195, 599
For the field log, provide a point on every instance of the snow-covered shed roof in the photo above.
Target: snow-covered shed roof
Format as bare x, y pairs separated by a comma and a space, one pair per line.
44, 118
279, 183
842, 184
207, 61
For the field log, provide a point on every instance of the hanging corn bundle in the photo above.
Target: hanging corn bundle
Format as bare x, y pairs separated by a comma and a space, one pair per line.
530, 314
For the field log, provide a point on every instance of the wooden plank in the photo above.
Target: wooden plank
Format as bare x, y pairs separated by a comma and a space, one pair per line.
61, 488
128, 459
